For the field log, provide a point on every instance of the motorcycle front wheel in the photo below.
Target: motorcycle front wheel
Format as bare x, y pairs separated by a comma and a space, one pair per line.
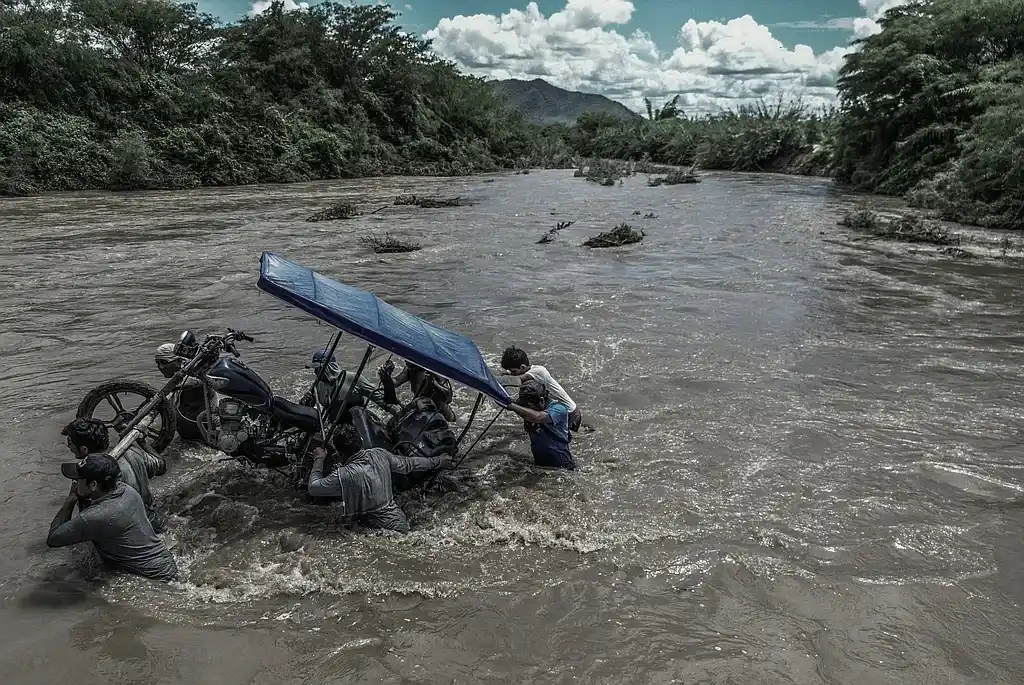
125, 398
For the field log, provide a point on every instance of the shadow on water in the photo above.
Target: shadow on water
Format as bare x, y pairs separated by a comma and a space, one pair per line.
806, 469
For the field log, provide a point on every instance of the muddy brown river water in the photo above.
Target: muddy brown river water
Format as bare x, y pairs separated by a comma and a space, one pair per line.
806, 467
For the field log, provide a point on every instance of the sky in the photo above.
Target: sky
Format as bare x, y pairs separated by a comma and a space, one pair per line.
713, 53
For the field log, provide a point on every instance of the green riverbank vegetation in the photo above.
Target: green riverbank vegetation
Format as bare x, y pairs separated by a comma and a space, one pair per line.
133, 94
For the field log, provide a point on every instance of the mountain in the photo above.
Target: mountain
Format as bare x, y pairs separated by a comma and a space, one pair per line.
543, 103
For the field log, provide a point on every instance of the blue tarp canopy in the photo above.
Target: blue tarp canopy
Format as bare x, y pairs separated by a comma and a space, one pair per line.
366, 316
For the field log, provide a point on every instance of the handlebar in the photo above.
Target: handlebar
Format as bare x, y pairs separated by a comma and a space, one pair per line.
239, 335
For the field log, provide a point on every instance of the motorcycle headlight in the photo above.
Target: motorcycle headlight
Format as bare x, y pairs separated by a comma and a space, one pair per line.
228, 408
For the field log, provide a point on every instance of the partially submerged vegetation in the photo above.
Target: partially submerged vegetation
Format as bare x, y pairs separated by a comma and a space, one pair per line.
676, 177
429, 202
906, 228
602, 171
341, 210
389, 244
623, 234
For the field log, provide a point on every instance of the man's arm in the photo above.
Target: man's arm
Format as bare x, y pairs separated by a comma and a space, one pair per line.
65, 530
531, 415
407, 465
318, 485
154, 464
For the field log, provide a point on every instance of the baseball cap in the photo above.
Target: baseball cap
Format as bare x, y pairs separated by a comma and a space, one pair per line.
96, 467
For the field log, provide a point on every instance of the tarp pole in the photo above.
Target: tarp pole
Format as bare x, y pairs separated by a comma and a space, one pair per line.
351, 389
319, 376
323, 367
472, 416
479, 438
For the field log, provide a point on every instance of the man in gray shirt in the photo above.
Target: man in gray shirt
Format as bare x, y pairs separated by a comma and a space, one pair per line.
137, 464
363, 482
114, 521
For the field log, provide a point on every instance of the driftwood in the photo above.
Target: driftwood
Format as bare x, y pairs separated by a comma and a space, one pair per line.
623, 234
390, 245
341, 210
429, 202
553, 233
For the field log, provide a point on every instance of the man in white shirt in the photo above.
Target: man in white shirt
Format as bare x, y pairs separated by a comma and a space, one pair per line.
515, 362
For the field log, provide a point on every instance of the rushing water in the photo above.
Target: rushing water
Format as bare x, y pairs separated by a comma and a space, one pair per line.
806, 466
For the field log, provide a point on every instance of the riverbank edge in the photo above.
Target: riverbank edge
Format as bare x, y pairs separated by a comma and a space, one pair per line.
795, 165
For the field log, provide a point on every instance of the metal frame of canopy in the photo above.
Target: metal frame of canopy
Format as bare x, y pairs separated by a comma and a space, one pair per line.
352, 310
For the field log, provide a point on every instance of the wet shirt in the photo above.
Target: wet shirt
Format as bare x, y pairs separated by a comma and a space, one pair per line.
137, 467
365, 486
549, 442
555, 390
118, 527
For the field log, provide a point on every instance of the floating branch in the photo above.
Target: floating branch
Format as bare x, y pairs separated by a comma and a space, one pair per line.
429, 202
342, 210
389, 244
562, 225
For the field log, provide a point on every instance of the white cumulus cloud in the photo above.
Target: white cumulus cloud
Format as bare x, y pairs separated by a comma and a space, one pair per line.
584, 47
874, 9
261, 6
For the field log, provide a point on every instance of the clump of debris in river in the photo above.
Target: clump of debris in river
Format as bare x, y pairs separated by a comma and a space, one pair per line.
429, 202
623, 234
907, 228
340, 210
676, 177
389, 244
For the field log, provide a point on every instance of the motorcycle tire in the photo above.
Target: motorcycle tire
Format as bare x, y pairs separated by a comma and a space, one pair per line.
168, 415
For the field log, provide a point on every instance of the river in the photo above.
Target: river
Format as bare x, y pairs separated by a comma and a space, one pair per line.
806, 465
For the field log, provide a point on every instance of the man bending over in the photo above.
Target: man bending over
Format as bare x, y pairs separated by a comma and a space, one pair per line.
363, 481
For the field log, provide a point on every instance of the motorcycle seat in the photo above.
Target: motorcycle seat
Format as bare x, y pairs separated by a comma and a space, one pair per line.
295, 415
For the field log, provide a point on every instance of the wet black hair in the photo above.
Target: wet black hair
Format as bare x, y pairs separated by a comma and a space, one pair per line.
513, 358
532, 393
91, 434
347, 441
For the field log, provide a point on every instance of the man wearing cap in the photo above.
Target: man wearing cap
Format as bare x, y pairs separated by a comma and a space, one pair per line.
189, 399
333, 374
547, 422
115, 520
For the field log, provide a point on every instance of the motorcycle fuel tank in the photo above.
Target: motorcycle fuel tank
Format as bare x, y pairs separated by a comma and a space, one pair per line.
234, 379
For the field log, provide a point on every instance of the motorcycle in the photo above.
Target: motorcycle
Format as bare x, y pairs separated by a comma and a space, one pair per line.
248, 422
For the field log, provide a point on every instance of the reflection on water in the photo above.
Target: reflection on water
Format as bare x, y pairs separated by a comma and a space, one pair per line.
805, 468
